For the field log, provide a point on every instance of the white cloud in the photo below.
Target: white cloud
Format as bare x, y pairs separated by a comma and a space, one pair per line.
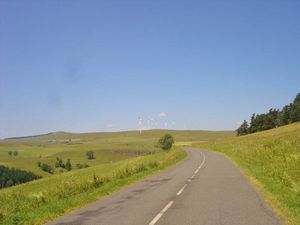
162, 114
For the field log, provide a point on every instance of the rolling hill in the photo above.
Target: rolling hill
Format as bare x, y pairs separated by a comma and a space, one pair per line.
108, 146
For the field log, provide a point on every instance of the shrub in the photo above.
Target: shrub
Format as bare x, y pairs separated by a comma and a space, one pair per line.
59, 163
90, 155
45, 167
81, 166
13, 153
166, 142
68, 165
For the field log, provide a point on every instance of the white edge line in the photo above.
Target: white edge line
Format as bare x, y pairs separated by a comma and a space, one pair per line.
181, 190
161, 213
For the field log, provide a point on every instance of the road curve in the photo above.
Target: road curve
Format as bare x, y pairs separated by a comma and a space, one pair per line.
204, 189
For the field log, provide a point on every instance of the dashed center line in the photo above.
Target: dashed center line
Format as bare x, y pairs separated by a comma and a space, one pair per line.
181, 190
161, 213
157, 217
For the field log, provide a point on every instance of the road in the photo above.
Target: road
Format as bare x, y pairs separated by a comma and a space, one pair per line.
203, 189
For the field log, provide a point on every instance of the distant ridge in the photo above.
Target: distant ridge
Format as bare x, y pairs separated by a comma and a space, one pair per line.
188, 134
33, 136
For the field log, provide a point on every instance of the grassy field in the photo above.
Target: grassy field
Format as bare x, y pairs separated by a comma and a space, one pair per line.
108, 147
272, 160
121, 158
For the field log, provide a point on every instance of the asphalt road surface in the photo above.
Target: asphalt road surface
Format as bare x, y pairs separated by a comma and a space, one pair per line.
204, 189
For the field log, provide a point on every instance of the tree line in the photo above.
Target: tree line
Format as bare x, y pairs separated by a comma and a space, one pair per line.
273, 118
11, 176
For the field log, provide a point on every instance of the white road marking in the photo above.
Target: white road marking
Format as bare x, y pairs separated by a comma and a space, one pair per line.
181, 190
157, 217
197, 170
161, 213
203, 161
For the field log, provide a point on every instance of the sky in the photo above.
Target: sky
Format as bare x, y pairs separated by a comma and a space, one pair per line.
84, 65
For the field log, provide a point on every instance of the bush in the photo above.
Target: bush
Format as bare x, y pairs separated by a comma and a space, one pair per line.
81, 166
59, 163
90, 155
13, 153
45, 167
166, 142
68, 165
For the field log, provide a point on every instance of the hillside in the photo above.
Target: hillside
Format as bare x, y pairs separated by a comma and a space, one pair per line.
108, 146
272, 159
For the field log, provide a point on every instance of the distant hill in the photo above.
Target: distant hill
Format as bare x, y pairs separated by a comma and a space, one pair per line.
32, 136
107, 146
180, 135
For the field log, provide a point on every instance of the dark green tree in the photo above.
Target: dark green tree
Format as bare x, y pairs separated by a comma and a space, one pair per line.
284, 116
90, 155
243, 129
68, 165
295, 110
166, 142
12, 176
45, 167
274, 117
59, 163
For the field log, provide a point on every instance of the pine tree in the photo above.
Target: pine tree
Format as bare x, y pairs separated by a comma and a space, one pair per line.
273, 118
68, 165
243, 129
295, 110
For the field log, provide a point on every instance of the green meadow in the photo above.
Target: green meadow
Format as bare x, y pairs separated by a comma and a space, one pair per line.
108, 147
272, 161
121, 158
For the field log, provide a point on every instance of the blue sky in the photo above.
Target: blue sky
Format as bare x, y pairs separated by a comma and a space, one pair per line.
118, 65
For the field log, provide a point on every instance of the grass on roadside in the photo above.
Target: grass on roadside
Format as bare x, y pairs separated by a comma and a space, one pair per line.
272, 160
43, 200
